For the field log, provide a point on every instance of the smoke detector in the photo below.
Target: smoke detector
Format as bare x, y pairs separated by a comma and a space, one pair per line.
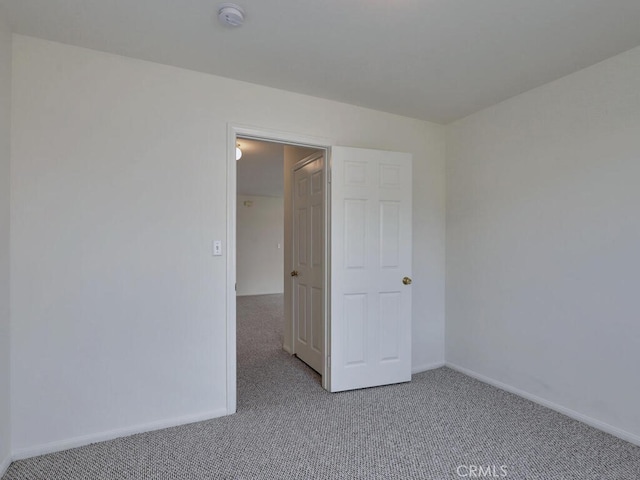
230, 14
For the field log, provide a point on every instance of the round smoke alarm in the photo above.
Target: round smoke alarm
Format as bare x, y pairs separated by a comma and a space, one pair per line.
231, 14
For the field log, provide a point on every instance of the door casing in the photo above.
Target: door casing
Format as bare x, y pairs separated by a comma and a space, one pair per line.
258, 133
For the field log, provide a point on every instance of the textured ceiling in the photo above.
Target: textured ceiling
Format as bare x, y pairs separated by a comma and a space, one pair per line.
437, 60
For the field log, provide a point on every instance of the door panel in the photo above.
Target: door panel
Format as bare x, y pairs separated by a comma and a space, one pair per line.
389, 334
355, 316
317, 242
302, 313
301, 231
309, 261
370, 322
355, 233
317, 320
389, 234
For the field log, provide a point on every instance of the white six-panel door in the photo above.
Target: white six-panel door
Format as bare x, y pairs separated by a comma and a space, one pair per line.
370, 313
308, 276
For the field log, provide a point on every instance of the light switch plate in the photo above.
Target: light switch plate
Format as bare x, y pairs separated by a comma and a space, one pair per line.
217, 248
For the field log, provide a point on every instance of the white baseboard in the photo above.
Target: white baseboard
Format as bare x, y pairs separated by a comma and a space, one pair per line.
605, 427
4, 465
287, 349
255, 294
60, 445
424, 368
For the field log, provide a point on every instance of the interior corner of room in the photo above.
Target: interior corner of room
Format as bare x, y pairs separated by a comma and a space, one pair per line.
115, 177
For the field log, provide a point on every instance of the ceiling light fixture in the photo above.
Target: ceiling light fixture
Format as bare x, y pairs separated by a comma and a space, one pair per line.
238, 152
230, 14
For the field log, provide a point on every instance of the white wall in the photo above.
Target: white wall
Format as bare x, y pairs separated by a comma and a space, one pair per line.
5, 154
119, 186
543, 243
259, 231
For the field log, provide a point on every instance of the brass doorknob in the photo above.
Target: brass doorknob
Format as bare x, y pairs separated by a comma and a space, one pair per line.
294, 273
406, 281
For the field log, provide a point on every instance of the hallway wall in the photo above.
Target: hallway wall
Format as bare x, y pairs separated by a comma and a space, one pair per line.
260, 245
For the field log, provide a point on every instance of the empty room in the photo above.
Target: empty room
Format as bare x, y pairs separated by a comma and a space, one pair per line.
291, 240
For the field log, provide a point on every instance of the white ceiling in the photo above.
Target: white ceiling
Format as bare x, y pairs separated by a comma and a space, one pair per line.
437, 60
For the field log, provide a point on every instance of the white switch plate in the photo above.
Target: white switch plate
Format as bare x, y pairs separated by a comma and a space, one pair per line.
217, 248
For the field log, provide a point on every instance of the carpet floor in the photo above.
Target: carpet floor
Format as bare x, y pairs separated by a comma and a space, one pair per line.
441, 425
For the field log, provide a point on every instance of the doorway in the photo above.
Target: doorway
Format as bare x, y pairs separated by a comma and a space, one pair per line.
264, 249
367, 328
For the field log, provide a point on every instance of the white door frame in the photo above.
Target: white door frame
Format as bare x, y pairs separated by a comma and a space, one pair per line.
260, 133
